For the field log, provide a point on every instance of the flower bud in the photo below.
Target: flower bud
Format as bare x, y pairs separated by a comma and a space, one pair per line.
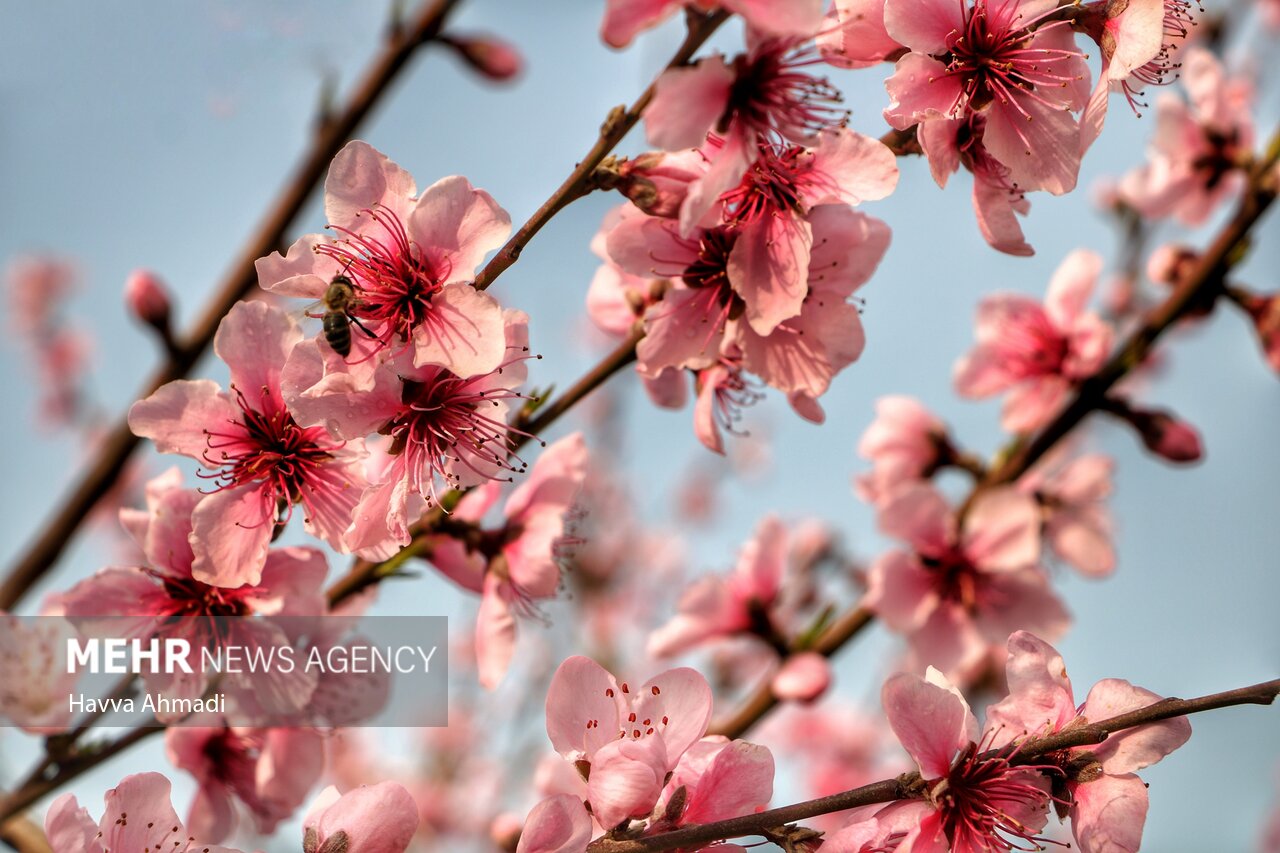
656, 183
803, 678
1167, 436
490, 56
148, 299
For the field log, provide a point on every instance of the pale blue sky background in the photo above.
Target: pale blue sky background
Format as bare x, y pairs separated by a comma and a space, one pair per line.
154, 134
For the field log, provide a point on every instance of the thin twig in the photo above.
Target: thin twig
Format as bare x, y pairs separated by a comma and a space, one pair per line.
909, 784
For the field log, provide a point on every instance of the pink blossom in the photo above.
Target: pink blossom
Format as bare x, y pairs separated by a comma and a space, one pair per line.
960, 591
974, 802
270, 771
442, 427
165, 599
1037, 352
378, 818
558, 824
37, 287
998, 200
258, 459
152, 824
721, 779
1108, 802
624, 19
905, 443
409, 258
588, 709
855, 35
718, 606
148, 299
1139, 40
35, 680
803, 677
1013, 62
1076, 523
762, 96
518, 563
1196, 156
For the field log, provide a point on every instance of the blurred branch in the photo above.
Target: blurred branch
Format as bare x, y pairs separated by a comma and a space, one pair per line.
911, 785
119, 444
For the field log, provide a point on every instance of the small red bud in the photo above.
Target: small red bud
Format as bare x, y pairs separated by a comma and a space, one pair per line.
656, 183
494, 58
148, 299
1166, 436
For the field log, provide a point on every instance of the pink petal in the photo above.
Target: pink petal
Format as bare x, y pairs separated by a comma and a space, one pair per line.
168, 546
626, 779
858, 38
726, 170
923, 25
254, 339
495, 634
361, 177
1040, 698
1033, 403
144, 797
929, 720
860, 168
176, 416
1138, 34
1042, 153
796, 18
300, 273
686, 104
349, 402
921, 89
682, 696
381, 818
706, 609
847, 248
684, 330
558, 824
920, 516
624, 19
938, 139
738, 781
997, 212
803, 678
769, 268
69, 827
1084, 480
900, 591
465, 333
804, 354
762, 563
1136, 748
706, 426
583, 705
1088, 345
1069, 289
231, 531
1082, 537
1109, 813
461, 222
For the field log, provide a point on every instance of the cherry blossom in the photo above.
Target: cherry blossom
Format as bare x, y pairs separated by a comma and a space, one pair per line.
1107, 801
905, 443
147, 298
855, 35
409, 257
558, 824
721, 779
1037, 352
138, 816
259, 461
378, 818
518, 563
165, 599
974, 801
1077, 526
441, 428
1197, 156
270, 771
961, 590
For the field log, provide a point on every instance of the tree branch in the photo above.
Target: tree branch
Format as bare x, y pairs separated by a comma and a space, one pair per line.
908, 784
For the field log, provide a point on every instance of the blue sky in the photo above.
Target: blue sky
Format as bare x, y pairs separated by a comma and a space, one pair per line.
156, 137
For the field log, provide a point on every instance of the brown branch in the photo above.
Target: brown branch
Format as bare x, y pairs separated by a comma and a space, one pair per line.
909, 784
616, 126
120, 443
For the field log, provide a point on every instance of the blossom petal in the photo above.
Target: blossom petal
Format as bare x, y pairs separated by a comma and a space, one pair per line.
1108, 814
929, 720
461, 222
1135, 748
558, 824
361, 177
583, 705
686, 103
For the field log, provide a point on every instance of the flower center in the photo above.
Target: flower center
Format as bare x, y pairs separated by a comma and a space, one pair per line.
393, 276
775, 100
988, 804
269, 448
772, 186
955, 579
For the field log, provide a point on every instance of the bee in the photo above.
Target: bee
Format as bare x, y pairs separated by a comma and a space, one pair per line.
338, 301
